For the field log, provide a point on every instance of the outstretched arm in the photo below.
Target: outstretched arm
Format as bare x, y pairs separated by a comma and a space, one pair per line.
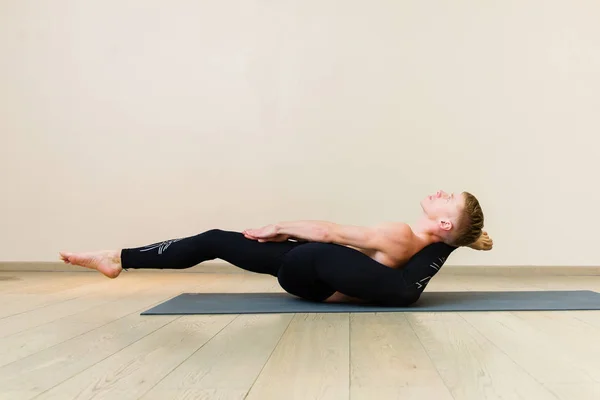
376, 238
329, 232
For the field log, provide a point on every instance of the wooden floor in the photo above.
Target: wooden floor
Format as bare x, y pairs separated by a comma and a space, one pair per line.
67, 335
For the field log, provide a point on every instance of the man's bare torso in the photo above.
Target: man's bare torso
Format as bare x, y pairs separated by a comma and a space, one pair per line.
396, 253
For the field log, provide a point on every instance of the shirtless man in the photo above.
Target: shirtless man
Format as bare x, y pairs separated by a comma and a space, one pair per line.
324, 261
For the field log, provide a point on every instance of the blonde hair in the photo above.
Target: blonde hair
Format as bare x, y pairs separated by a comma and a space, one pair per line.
470, 222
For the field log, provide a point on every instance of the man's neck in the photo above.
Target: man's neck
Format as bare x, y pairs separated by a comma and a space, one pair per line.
423, 229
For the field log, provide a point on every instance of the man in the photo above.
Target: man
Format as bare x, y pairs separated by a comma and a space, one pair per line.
324, 261
455, 220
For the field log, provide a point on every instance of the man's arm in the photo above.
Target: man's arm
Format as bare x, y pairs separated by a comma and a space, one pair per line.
376, 238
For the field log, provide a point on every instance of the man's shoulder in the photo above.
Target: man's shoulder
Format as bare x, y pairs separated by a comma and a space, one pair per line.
396, 230
395, 240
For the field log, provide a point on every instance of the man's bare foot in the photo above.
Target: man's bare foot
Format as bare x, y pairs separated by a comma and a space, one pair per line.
106, 262
483, 243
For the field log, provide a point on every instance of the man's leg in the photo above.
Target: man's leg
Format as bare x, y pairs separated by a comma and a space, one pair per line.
233, 247
335, 273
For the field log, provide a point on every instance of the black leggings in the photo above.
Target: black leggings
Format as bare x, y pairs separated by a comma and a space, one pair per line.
310, 270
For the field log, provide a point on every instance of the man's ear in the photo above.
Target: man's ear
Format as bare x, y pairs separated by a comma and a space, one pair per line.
445, 224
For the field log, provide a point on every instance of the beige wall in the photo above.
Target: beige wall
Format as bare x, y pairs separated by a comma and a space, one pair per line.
128, 122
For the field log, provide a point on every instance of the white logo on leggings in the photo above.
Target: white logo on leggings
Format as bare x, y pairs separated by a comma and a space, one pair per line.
162, 246
434, 266
419, 285
437, 267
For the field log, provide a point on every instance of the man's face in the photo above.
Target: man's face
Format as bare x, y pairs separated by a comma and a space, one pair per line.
442, 205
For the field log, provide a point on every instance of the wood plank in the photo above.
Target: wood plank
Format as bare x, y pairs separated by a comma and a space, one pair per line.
570, 335
470, 365
311, 361
24, 344
19, 282
529, 347
591, 317
469, 352
576, 391
45, 282
569, 283
388, 360
227, 366
444, 283
60, 358
135, 369
498, 283
41, 371
142, 292
93, 298
14, 304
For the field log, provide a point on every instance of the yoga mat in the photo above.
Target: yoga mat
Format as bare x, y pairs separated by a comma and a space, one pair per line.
279, 303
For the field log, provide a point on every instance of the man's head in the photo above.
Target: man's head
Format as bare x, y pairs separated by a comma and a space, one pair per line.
457, 219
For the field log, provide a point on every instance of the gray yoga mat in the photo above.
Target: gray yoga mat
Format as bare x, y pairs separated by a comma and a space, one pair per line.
279, 303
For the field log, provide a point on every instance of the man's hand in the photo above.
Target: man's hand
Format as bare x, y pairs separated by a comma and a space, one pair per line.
269, 233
